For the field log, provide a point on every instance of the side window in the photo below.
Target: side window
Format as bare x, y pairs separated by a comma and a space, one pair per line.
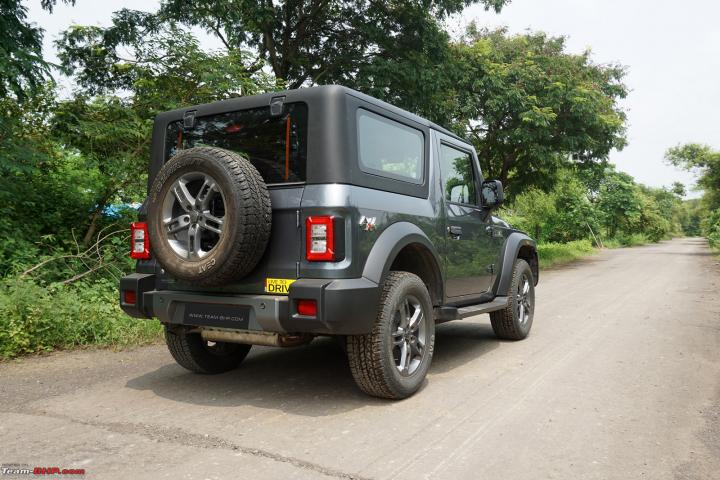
456, 174
389, 148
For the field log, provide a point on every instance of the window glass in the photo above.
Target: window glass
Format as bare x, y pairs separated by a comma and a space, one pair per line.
389, 148
276, 146
456, 174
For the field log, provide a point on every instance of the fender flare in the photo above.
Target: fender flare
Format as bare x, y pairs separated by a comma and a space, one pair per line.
387, 246
514, 242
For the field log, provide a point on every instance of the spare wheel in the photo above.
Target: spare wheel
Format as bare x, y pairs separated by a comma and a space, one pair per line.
209, 216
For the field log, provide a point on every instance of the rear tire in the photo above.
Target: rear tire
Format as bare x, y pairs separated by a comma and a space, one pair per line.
190, 351
404, 323
514, 321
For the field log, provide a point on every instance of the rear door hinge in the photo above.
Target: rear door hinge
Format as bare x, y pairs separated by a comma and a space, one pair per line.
189, 119
276, 106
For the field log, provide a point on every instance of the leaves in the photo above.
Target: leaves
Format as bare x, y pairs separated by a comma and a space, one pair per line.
531, 108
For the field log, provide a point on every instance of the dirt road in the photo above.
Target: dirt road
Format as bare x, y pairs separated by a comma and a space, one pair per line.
620, 378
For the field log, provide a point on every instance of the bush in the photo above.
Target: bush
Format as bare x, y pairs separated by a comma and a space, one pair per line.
556, 253
712, 229
34, 318
633, 240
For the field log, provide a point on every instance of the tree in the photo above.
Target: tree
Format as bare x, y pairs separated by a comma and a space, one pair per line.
165, 68
705, 162
532, 211
532, 109
22, 67
678, 189
619, 203
392, 50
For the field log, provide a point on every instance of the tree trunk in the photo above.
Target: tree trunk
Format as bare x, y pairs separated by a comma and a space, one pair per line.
90, 233
95, 218
508, 161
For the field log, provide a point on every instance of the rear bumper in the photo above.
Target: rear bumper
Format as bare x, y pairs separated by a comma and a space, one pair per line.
344, 306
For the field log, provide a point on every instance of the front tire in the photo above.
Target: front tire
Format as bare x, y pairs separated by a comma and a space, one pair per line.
190, 351
393, 359
514, 321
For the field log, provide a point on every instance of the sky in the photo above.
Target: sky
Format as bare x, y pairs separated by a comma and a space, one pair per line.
671, 51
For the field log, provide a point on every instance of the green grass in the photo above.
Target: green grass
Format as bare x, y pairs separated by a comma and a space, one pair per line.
35, 318
634, 240
553, 254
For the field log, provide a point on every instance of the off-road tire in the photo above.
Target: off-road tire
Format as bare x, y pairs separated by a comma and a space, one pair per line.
506, 322
247, 219
190, 351
370, 356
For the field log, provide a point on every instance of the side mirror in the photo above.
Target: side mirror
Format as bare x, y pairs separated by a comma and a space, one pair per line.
492, 193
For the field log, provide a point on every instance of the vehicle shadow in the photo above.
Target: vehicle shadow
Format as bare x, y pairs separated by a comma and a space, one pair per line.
313, 380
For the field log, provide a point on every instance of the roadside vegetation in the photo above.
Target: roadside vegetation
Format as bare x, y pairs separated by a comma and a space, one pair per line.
73, 164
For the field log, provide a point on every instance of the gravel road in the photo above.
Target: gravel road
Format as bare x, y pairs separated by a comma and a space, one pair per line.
619, 379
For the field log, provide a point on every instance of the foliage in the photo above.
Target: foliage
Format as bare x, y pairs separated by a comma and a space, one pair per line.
165, 67
690, 217
553, 253
38, 319
711, 228
23, 71
575, 216
618, 202
705, 163
533, 109
309, 41
619, 209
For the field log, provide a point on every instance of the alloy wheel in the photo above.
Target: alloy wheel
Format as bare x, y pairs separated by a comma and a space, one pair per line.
409, 335
524, 300
193, 215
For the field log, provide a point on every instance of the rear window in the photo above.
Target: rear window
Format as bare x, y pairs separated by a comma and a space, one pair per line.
277, 146
389, 148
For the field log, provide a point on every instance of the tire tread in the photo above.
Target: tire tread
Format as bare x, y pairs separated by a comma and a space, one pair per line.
503, 321
365, 352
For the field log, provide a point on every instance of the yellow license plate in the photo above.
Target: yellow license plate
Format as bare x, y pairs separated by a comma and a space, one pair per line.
278, 286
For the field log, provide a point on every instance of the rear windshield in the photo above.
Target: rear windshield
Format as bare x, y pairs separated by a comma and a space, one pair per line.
277, 146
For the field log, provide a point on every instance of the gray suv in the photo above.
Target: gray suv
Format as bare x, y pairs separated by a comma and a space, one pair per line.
275, 218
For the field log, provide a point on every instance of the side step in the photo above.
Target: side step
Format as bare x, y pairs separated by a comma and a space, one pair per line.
445, 314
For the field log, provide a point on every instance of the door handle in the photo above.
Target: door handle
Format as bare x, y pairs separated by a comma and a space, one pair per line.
455, 231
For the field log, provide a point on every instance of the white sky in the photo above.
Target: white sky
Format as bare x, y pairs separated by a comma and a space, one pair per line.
671, 50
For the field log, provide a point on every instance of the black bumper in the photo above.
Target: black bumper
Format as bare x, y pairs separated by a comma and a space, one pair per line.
344, 306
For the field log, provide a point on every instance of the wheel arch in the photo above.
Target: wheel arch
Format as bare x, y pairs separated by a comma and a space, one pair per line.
517, 245
403, 246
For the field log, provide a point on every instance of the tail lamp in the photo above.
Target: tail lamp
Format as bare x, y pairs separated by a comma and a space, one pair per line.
320, 239
139, 241
129, 297
307, 308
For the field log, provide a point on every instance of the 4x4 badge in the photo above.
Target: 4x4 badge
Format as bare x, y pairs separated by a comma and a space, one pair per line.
367, 223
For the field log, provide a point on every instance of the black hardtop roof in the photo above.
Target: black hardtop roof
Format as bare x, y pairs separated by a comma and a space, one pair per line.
303, 94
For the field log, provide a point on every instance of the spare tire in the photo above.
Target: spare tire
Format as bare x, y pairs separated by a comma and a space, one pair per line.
209, 216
